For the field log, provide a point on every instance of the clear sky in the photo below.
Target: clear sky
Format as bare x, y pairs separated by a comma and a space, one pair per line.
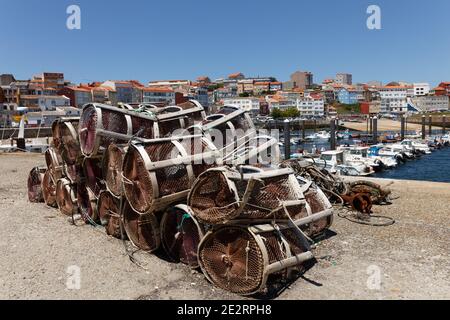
151, 40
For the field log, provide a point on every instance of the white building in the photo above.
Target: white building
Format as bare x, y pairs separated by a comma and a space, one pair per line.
421, 89
158, 95
248, 104
311, 105
344, 79
177, 85
430, 103
43, 102
393, 99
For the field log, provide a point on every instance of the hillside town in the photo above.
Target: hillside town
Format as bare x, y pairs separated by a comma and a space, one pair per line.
48, 96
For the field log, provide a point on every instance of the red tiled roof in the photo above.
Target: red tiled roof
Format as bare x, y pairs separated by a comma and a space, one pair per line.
158, 89
235, 75
84, 89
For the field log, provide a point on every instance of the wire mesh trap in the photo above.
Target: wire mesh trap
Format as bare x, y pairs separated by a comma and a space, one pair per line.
221, 195
112, 168
65, 135
101, 125
243, 259
49, 189
66, 197
55, 163
181, 234
87, 204
93, 174
109, 214
57, 130
142, 230
73, 172
224, 127
253, 150
160, 172
34, 184
172, 118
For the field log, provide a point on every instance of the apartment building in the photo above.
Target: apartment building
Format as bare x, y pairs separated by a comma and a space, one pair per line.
245, 86
176, 85
159, 95
421, 89
280, 102
344, 79
347, 96
78, 96
125, 91
224, 93
311, 105
50, 80
104, 95
394, 98
43, 103
249, 104
430, 103
302, 79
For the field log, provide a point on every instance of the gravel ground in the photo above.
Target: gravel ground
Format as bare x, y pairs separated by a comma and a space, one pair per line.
38, 245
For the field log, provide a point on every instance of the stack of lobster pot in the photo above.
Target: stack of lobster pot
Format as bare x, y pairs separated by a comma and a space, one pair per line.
233, 134
63, 152
53, 184
156, 174
260, 223
65, 140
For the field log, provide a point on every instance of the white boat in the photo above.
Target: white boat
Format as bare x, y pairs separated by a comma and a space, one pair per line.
389, 160
397, 151
416, 145
311, 137
361, 154
334, 162
323, 135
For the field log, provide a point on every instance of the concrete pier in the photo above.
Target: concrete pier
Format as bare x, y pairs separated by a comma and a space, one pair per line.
412, 256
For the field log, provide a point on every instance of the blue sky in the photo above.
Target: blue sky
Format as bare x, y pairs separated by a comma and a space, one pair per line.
149, 40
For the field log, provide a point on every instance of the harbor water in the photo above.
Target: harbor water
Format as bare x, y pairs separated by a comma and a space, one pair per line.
434, 167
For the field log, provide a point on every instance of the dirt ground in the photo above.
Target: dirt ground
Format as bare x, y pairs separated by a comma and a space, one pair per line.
38, 245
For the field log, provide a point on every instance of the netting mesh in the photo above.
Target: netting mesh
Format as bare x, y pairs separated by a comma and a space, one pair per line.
112, 169
167, 127
69, 142
109, 214
233, 260
56, 135
49, 189
142, 230
213, 198
87, 204
87, 129
73, 172
143, 127
172, 179
34, 184
113, 121
318, 203
180, 236
93, 174
65, 197
54, 163
138, 185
